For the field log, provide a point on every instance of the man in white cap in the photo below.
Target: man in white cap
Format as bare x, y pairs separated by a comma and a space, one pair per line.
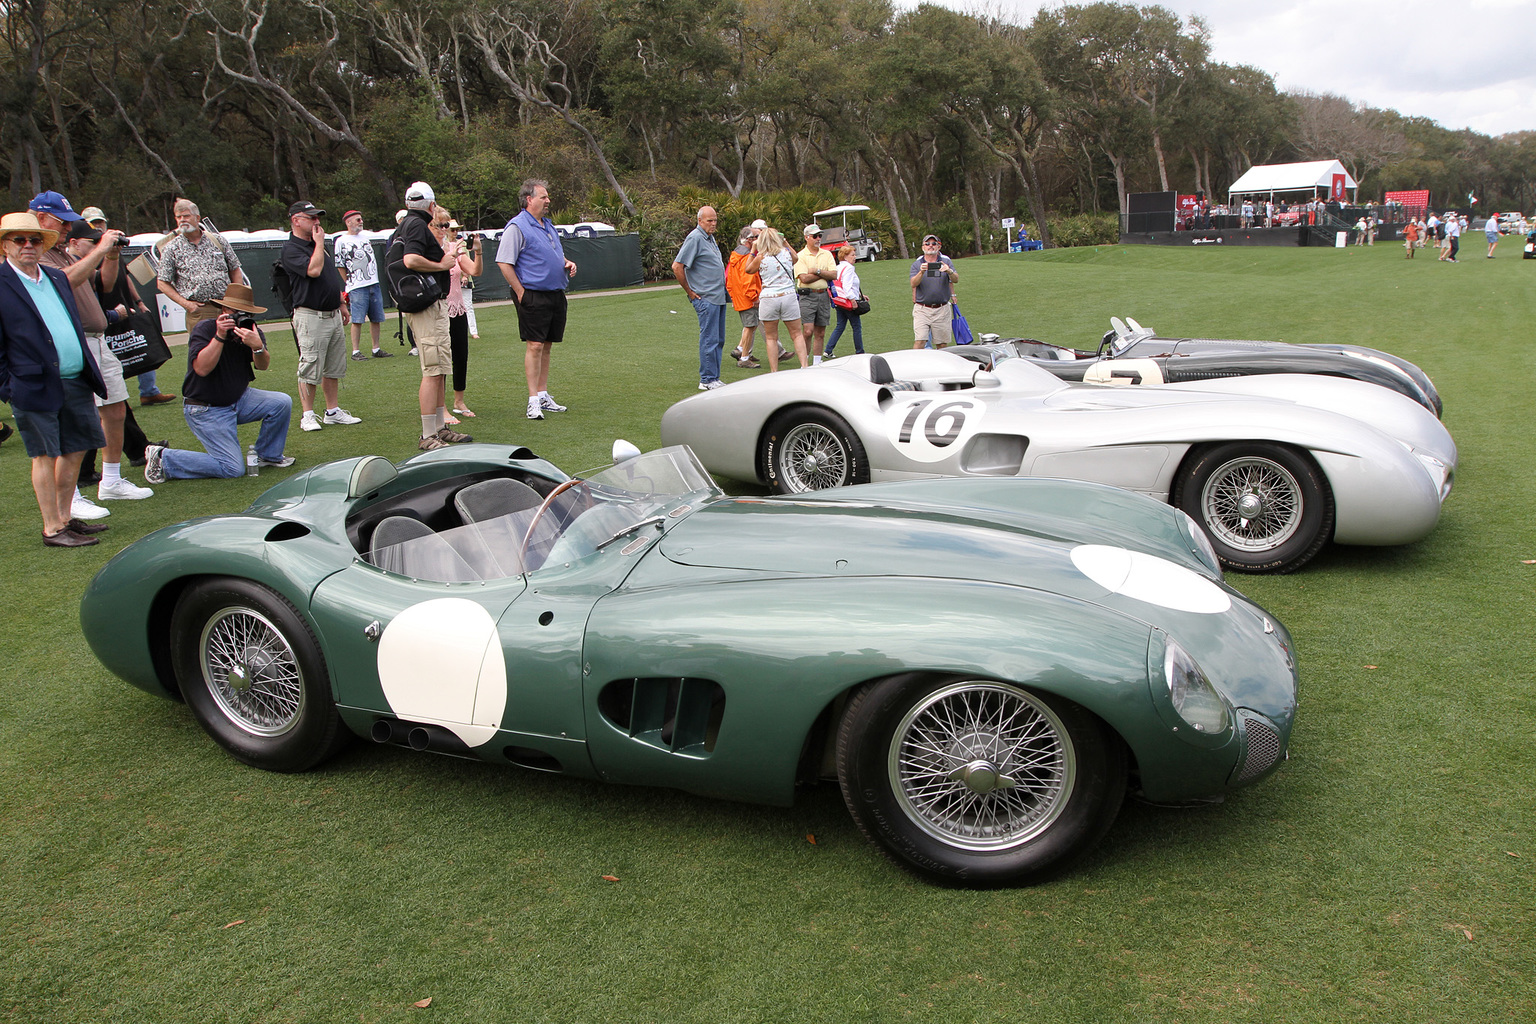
417, 249
815, 268
124, 291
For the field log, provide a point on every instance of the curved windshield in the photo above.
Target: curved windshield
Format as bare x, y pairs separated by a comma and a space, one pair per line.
577, 518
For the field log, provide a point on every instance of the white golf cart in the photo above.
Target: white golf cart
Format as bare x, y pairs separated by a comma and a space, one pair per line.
866, 245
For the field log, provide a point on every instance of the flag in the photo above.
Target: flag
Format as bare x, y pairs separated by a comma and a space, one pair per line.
1472, 198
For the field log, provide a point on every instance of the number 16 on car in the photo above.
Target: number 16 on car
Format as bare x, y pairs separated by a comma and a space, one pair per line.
930, 429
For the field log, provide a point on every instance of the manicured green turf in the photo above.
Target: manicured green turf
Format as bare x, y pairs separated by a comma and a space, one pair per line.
1384, 874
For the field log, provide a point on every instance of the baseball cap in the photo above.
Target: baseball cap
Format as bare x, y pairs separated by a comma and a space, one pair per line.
82, 229
926, 238
52, 202
759, 224
304, 206
420, 192
812, 229
92, 214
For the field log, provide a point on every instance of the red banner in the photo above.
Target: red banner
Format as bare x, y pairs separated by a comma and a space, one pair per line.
1338, 187
1189, 204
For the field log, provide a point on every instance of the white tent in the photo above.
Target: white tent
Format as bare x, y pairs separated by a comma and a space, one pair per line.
1272, 179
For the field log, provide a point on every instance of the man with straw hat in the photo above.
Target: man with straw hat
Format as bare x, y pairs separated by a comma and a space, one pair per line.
222, 355
48, 376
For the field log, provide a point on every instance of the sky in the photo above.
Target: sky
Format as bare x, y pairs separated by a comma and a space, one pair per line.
1466, 64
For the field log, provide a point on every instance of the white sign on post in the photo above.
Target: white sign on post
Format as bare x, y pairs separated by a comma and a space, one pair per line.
1007, 222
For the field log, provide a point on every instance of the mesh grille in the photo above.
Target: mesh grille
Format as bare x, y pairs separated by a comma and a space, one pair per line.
1263, 750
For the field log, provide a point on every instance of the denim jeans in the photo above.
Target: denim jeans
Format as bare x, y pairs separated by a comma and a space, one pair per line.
147, 385
711, 338
216, 426
844, 318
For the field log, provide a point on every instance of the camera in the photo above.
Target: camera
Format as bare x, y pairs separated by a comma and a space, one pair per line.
122, 240
244, 321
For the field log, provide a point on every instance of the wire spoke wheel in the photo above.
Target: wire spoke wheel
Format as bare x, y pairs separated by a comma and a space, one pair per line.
251, 671
1252, 504
982, 766
814, 458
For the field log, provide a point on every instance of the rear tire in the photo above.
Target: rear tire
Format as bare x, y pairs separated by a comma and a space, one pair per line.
1264, 506
252, 672
810, 449
976, 782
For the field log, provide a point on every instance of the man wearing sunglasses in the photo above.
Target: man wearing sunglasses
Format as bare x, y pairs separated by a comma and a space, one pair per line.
48, 376
814, 269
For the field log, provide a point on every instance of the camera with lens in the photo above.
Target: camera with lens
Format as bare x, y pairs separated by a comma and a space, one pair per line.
122, 240
244, 321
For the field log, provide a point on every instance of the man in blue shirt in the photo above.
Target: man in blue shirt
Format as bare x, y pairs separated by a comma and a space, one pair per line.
700, 269
533, 261
48, 375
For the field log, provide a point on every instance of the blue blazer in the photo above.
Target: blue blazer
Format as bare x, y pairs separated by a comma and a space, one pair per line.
29, 361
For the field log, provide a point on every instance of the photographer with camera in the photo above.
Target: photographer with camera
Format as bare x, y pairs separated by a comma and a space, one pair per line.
933, 280
223, 355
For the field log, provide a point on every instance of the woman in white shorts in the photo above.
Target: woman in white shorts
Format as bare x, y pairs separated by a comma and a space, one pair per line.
774, 263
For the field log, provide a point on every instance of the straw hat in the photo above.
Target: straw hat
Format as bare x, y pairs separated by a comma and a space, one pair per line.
239, 296
14, 222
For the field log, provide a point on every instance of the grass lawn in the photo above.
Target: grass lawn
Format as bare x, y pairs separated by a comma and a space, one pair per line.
1384, 874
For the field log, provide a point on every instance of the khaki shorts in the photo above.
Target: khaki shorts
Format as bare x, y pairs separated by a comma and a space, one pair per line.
940, 321
430, 329
111, 371
322, 344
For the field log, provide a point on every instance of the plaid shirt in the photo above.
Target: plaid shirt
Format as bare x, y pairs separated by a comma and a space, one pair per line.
201, 272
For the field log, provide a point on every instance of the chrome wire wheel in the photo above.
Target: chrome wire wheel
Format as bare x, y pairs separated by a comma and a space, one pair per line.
251, 671
1252, 504
982, 766
815, 457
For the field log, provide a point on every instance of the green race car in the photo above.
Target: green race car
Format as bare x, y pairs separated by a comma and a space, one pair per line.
984, 665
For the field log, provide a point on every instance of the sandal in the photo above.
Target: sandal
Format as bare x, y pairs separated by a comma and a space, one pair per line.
464, 412
449, 419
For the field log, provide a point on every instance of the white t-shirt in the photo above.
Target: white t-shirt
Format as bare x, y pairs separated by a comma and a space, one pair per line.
778, 272
848, 281
355, 255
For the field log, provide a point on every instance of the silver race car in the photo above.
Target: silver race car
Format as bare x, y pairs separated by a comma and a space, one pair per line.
1272, 466
1140, 355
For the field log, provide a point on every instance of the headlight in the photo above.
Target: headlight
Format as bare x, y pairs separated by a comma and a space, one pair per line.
1191, 693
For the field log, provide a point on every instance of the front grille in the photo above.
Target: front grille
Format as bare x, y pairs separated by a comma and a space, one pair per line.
1263, 749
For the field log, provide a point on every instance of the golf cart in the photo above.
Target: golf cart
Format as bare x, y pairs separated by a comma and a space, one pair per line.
865, 245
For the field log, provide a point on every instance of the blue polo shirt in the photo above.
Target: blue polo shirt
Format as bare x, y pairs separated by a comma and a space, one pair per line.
50, 305
701, 259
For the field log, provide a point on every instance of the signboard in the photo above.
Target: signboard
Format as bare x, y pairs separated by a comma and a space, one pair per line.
1338, 188
1008, 222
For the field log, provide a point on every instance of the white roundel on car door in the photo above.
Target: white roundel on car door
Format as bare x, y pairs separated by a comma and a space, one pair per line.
440, 662
931, 428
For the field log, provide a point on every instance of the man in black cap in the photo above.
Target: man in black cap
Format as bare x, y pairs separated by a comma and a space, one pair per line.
317, 316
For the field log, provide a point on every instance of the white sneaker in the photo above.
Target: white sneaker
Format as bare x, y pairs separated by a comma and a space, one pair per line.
535, 408
712, 385
84, 508
341, 416
548, 404
122, 488
309, 421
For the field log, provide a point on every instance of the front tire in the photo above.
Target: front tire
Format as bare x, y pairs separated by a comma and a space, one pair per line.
811, 449
976, 782
1265, 507
252, 672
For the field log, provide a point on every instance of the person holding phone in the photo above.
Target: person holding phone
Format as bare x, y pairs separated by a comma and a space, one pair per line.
933, 281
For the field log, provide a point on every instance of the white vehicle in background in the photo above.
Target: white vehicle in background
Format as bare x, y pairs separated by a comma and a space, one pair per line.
866, 245
586, 229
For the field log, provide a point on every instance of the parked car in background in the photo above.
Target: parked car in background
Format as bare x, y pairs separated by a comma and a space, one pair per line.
1272, 467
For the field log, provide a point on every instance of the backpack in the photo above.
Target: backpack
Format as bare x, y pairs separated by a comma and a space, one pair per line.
282, 286
413, 291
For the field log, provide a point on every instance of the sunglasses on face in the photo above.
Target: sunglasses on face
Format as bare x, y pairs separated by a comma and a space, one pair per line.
21, 240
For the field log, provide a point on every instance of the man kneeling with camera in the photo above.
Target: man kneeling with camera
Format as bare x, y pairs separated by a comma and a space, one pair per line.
223, 355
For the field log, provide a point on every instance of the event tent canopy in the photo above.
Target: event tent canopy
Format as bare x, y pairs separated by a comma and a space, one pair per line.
1269, 179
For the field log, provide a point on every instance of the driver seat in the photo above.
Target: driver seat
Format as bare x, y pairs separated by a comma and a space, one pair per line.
409, 547
492, 499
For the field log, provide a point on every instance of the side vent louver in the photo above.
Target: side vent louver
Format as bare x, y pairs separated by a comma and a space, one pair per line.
681, 716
